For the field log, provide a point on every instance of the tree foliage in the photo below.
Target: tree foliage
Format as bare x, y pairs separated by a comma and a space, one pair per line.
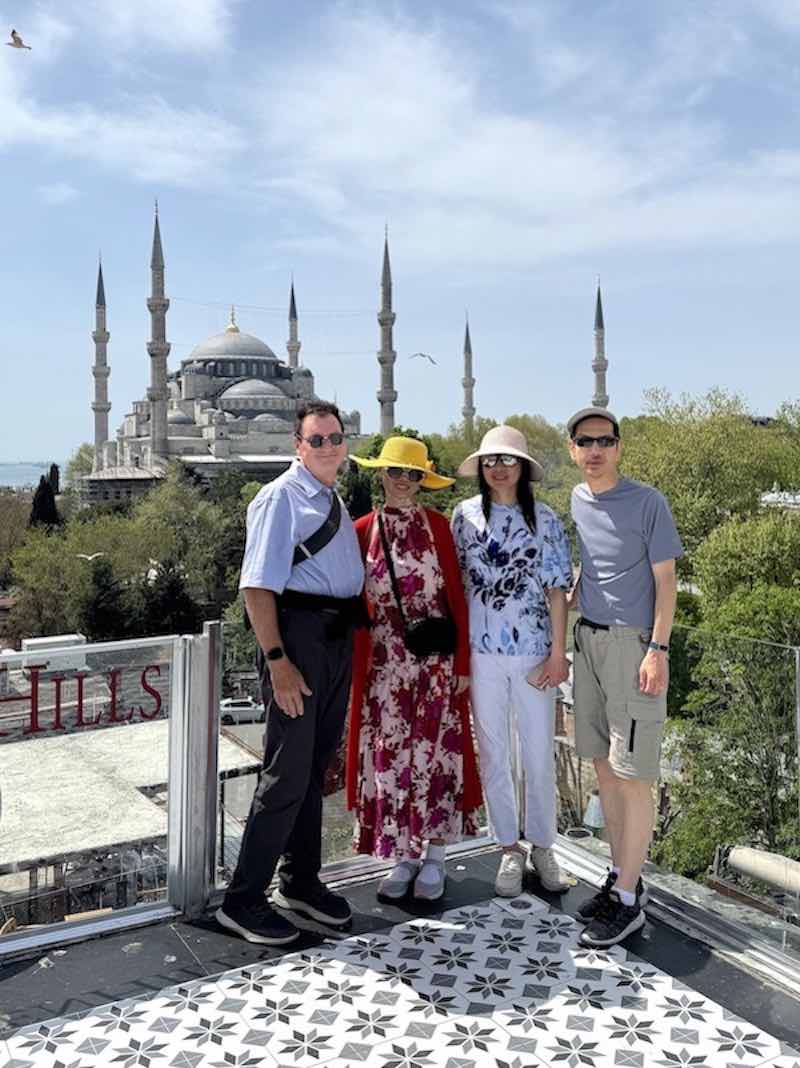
708, 459
43, 509
80, 463
746, 552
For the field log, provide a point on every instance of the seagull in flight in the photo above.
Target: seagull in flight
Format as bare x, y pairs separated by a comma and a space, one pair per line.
89, 556
17, 42
424, 356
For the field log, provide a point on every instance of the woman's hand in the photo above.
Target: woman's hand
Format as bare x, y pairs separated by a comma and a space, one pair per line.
551, 672
462, 684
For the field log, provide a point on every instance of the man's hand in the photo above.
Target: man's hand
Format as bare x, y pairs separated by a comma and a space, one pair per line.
288, 687
552, 672
654, 673
462, 684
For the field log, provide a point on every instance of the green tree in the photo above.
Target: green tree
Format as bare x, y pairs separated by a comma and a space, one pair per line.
43, 509
738, 757
80, 463
177, 522
240, 640
745, 552
14, 513
104, 608
168, 606
708, 459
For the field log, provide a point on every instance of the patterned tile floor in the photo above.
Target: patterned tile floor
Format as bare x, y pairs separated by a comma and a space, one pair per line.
504, 984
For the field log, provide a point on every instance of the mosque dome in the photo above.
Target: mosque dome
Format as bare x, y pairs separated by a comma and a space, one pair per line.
231, 344
251, 389
273, 423
304, 372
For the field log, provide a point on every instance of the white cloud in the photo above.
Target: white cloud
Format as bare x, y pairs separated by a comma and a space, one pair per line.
57, 193
387, 117
197, 26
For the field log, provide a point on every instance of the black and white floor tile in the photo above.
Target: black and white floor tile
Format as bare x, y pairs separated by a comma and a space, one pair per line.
500, 985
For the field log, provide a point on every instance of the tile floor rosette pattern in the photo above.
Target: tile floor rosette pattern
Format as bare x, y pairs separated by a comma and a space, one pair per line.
500, 985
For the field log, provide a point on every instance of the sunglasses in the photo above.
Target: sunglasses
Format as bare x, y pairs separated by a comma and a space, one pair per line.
405, 472
503, 458
316, 441
605, 441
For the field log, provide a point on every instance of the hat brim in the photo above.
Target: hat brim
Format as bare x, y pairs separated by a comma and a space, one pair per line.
431, 480
469, 467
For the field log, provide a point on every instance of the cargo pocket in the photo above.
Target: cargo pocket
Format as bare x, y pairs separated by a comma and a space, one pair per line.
646, 718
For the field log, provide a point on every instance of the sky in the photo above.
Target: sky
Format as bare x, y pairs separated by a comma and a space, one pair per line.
516, 151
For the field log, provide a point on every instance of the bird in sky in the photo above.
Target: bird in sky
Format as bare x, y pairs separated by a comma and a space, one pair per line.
424, 356
89, 556
17, 42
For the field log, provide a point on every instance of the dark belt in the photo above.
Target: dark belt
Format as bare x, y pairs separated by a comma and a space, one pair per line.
348, 610
583, 622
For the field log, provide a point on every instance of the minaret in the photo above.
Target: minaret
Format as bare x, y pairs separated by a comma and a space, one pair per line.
468, 382
292, 345
599, 363
158, 348
100, 406
387, 394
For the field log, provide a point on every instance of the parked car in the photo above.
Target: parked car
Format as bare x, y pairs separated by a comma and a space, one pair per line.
241, 710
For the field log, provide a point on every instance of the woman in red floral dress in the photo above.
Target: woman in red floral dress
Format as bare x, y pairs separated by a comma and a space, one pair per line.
411, 773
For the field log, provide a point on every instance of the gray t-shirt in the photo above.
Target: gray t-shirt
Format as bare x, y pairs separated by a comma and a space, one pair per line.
621, 534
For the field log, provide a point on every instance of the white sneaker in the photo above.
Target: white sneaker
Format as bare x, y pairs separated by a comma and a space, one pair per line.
509, 875
545, 866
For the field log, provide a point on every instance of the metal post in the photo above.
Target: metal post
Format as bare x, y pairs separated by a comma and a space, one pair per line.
201, 769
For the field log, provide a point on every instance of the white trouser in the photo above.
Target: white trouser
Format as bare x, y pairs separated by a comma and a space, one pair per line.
508, 711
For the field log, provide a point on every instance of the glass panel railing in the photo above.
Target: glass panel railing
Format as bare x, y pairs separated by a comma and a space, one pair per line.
727, 803
84, 775
241, 741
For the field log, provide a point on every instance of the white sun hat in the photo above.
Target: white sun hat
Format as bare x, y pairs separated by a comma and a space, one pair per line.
501, 441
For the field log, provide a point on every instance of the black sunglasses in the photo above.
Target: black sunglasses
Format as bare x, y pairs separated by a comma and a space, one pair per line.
605, 441
405, 472
316, 441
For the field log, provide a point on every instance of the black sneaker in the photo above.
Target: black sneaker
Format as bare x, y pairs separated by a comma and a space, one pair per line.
589, 909
320, 904
257, 923
613, 922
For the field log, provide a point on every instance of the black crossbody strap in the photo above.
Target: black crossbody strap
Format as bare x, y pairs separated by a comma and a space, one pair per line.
321, 536
387, 554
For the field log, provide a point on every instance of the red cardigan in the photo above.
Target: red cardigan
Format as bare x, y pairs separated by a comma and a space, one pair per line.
362, 655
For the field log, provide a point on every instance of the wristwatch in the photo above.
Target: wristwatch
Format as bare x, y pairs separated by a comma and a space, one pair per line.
657, 647
275, 653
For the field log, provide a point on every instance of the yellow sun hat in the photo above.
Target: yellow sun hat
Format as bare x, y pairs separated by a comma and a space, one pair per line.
409, 453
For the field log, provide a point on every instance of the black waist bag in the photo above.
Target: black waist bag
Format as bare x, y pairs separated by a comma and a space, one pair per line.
434, 636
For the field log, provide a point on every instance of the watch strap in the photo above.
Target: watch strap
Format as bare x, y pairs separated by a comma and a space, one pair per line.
658, 647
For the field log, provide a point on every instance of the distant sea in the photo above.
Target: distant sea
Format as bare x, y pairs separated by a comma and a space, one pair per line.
20, 475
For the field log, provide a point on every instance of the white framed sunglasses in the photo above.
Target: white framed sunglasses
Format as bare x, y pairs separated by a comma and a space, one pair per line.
502, 458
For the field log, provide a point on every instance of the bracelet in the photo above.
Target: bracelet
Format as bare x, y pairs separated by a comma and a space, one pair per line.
657, 647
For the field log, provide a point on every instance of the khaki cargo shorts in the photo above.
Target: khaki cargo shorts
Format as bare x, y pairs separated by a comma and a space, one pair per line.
613, 718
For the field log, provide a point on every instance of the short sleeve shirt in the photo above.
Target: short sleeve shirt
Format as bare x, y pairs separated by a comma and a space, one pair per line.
621, 534
281, 515
507, 570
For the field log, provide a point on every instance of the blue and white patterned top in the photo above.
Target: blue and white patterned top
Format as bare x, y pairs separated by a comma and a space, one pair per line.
506, 570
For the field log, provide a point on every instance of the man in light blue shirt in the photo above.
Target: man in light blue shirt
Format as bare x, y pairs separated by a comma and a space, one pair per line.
302, 576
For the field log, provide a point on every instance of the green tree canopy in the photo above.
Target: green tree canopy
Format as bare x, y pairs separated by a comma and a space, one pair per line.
745, 552
43, 509
80, 463
708, 459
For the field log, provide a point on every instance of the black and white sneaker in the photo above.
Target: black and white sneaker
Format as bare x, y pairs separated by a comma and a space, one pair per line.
589, 909
320, 904
257, 923
613, 922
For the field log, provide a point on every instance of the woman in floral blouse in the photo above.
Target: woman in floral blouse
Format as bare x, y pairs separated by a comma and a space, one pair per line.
515, 560
411, 772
